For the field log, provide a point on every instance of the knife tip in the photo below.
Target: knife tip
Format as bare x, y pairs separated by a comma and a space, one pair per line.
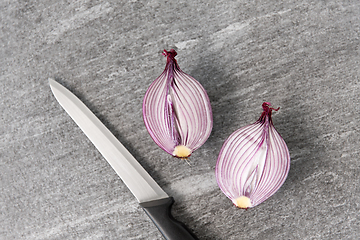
51, 80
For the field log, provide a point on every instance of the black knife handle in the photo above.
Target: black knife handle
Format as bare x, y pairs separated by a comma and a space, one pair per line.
159, 212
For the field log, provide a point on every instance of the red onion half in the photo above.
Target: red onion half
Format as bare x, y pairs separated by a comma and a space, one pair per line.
253, 162
177, 111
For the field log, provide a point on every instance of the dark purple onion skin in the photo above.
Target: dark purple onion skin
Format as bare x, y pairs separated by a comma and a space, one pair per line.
267, 112
170, 56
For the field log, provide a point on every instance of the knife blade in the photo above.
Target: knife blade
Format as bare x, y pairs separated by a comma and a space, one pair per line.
155, 202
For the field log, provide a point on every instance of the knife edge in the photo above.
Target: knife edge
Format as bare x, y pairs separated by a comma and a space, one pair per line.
140, 183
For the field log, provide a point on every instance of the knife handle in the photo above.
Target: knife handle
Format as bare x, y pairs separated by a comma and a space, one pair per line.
159, 212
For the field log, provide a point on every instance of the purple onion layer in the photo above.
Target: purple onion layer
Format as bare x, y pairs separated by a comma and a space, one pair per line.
253, 162
177, 111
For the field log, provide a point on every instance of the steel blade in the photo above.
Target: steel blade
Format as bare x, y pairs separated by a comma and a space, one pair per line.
140, 183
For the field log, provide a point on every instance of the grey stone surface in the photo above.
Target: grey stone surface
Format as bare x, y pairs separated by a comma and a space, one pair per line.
300, 55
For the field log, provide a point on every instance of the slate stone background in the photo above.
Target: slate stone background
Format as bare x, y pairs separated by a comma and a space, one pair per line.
302, 56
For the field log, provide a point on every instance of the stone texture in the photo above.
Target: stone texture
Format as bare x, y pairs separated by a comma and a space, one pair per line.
300, 55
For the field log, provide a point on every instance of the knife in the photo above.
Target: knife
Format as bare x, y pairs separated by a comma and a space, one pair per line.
155, 202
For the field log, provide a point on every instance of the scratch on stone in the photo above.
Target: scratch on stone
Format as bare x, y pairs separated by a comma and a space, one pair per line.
285, 11
314, 175
83, 221
339, 205
78, 20
186, 44
331, 176
185, 187
220, 37
232, 28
